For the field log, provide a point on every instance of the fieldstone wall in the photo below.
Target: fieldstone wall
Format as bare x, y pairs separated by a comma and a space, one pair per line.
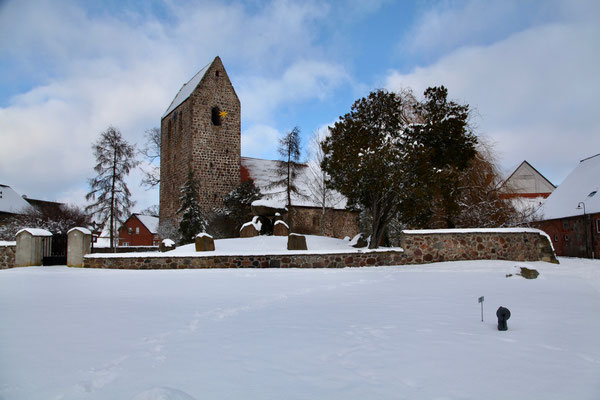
341, 260
439, 245
7, 254
338, 223
189, 138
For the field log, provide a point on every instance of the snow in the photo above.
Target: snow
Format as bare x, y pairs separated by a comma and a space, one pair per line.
204, 234
35, 232
281, 222
411, 332
473, 230
85, 231
168, 242
4, 243
576, 188
149, 222
257, 245
269, 203
255, 222
187, 89
11, 202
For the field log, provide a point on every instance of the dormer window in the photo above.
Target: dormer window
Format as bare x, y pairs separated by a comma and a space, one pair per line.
215, 116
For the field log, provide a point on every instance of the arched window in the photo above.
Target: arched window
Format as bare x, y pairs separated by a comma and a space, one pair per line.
215, 116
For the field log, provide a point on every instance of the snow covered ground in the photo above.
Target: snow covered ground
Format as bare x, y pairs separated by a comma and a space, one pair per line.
411, 332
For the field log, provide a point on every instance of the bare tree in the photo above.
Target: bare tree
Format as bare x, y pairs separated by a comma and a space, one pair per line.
151, 152
115, 158
318, 191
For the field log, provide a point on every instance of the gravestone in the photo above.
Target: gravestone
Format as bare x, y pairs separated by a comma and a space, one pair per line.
204, 242
296, 242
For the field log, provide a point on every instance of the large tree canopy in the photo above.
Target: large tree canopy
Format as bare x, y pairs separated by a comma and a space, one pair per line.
396, 157
365, 155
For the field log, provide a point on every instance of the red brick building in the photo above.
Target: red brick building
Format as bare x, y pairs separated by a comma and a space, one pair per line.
139, 230
571, 214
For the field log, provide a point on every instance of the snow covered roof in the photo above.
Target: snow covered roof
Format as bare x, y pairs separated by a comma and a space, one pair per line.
264, 172
149, 222
85, 231
11, 202
35, 232
187, 89
581, 186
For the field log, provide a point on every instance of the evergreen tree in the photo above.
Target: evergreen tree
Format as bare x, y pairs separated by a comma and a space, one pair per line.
288, 165
441, 147
192, 221
115, 158
365, 156
237, 202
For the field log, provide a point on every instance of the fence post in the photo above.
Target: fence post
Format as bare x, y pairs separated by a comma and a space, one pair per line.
78, 245
32, 245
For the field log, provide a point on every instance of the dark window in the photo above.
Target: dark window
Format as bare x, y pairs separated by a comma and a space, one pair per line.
216, 116
556, 238
217, 73
566, 237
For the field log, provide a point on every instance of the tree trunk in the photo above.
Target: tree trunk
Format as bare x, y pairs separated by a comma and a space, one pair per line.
112, 203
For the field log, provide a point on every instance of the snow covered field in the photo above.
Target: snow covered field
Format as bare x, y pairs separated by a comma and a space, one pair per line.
412, 332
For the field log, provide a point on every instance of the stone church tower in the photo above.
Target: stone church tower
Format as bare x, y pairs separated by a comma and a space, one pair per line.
201, 130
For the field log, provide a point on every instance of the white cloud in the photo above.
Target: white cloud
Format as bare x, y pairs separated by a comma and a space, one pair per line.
535, 93
259, 141
96, 70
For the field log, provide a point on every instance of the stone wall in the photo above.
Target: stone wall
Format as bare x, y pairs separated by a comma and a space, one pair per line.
340, 260
338, 223
7, 254
420, 247
480, 244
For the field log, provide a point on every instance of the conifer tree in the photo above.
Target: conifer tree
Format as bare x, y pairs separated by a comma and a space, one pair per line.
115, 158
288, 165
193, 220
237, 202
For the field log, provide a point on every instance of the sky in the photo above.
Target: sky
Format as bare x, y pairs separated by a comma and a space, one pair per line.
70, 69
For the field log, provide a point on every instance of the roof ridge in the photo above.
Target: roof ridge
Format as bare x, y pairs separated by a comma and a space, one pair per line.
585, 159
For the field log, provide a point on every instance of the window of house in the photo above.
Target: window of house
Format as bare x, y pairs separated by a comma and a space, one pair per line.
566, 238
565, 224
125, 244
137, 230
215, 116
130, 231
556, 238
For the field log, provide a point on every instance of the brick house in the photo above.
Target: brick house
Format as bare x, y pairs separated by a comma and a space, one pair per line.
571, 214
201, 131
139, 230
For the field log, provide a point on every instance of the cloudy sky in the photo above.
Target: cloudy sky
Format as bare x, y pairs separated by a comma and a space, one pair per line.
69, 69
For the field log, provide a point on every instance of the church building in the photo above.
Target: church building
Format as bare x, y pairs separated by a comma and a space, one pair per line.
201, 130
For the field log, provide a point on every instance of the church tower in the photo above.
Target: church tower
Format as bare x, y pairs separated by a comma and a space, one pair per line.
201, 130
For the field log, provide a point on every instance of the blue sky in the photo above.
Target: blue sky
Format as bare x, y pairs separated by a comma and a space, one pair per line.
69, 69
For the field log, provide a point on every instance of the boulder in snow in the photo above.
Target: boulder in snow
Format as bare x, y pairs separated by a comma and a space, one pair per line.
167, 245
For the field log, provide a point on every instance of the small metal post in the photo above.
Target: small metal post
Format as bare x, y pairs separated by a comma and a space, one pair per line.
481, 302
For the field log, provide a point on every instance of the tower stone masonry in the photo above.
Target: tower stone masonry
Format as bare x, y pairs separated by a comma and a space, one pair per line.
201, 131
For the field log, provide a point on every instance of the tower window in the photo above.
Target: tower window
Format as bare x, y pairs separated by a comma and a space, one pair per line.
216, 116
217, 74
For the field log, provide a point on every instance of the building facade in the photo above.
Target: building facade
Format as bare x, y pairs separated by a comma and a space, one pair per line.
571, 214
139, 230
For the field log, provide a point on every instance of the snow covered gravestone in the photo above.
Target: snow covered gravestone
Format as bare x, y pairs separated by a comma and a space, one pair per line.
79, 242
251, 229
167, 245
296, 242
281, 228
204, 242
